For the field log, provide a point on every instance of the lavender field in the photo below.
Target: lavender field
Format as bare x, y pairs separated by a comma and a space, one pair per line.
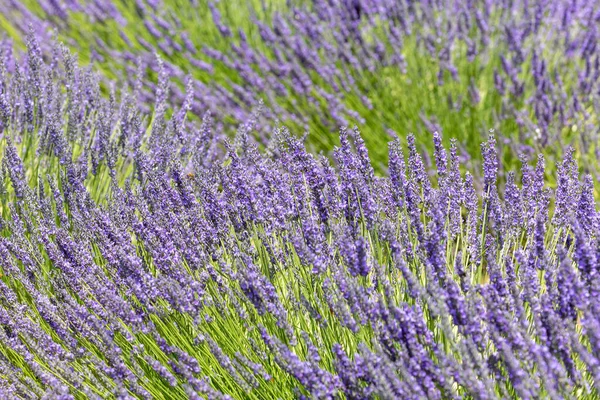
328, 199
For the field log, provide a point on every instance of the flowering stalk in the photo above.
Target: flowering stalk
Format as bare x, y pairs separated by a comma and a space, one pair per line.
141, 257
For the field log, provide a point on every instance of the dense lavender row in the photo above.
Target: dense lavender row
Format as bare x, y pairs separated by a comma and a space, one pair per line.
141, 258
529, 69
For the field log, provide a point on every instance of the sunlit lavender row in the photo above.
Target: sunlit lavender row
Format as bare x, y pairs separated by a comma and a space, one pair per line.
144, 256
528, 69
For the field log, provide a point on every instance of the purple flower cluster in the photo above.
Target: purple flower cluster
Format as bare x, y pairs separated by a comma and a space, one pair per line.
143, 257
344, 54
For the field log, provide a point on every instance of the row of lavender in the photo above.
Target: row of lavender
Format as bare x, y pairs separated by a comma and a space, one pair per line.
142, 258
527, 68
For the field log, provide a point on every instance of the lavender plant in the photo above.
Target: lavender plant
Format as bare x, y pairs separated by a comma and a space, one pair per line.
528, 69
146, 256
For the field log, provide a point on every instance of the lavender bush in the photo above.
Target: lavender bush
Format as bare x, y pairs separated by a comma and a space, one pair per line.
150, 256
527, 69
